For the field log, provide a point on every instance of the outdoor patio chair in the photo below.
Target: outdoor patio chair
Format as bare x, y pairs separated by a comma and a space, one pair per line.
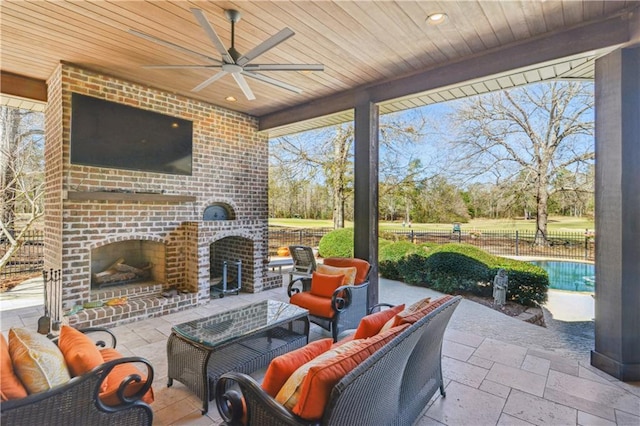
304, 261
334, 305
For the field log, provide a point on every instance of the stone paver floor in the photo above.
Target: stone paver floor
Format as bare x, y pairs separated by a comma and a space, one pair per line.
498, 370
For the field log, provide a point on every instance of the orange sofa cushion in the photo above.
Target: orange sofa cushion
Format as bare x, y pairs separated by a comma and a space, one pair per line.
283, 366
10, 385
349, 273
324, 285
80, 352
109, 394
321, 378
370, 325
413, 308
316, 305
344, 262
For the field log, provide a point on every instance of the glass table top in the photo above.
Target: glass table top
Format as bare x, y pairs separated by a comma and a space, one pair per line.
228, 326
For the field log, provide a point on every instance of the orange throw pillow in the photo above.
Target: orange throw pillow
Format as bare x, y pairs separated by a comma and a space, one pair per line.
289, 394
411, 317
80, 352
283, 366
371, 324
324, 285
349, 273
109, 394
36, 360
10, 385
321, 378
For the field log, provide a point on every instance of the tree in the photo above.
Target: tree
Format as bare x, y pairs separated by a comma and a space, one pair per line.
533, 131
327, 155
21, 175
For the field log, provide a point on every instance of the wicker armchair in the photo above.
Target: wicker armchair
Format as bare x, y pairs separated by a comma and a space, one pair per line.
347, 305
76, 402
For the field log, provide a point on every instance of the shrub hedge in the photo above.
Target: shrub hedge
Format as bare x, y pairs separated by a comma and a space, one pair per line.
337, 243
460, 268
450, 268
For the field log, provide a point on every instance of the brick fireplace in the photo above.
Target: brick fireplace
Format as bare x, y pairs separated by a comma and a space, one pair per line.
95, 216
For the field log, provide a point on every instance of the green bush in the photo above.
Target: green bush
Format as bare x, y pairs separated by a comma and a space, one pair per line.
337, 243
392, 255
466, 268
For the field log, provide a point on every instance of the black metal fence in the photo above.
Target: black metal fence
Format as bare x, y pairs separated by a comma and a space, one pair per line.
568, 245
285, 237
29, 258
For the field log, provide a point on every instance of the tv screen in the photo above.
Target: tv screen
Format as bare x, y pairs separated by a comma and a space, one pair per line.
108, 134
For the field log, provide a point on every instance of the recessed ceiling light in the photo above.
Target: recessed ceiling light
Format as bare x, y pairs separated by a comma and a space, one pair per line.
436, 18
230, 99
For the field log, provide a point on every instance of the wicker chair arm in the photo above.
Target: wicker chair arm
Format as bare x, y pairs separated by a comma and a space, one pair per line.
257, 403
343, 295
376, 308
132, 398
298, 285
78, 399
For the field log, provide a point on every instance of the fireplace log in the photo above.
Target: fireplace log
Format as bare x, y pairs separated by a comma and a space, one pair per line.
119, 271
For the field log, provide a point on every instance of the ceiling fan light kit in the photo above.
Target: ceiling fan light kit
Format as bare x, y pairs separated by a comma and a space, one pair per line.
233, 62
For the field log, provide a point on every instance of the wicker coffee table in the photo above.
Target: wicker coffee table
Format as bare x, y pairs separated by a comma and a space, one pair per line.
244, 339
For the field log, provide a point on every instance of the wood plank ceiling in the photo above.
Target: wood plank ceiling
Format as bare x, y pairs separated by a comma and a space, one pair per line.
361, 43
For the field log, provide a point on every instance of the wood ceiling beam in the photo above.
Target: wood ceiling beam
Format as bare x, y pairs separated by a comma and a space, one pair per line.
24, 87
606, 33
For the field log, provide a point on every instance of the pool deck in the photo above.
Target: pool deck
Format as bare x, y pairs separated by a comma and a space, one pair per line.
498, 370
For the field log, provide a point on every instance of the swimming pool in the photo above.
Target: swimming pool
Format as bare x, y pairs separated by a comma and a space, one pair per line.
571, 276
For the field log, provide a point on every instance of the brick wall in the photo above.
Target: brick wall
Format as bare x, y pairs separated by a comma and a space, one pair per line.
230, 166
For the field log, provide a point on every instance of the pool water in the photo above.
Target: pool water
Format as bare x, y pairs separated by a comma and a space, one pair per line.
571, 276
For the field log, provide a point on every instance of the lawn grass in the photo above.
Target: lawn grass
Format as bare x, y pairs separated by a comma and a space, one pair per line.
556, 223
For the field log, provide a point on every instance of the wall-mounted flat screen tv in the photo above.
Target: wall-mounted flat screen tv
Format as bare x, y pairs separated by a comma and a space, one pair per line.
108, 134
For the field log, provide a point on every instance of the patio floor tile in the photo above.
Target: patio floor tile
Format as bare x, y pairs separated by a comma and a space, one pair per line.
539, 411
462, 372
504, 353
465, 405
517, 379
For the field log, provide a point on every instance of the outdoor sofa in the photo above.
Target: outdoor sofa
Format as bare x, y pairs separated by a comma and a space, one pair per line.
390, 386
111, 393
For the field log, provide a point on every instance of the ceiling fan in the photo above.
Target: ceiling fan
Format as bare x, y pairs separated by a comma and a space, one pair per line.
233, 62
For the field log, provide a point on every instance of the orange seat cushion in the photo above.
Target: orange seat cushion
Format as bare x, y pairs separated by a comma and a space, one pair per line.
324, 285
370, 325
321, 378
10, 385
316, 305
283, 366
344, 262
80, 352
109, 394
349, 273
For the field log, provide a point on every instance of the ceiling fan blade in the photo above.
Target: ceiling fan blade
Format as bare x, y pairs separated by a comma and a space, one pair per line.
269, 43
213, 36
172, 45
243, 85
273, 81
208, 81
284, 67
169, 67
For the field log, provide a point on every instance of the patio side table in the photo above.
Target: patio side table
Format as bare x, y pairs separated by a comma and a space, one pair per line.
244, 340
